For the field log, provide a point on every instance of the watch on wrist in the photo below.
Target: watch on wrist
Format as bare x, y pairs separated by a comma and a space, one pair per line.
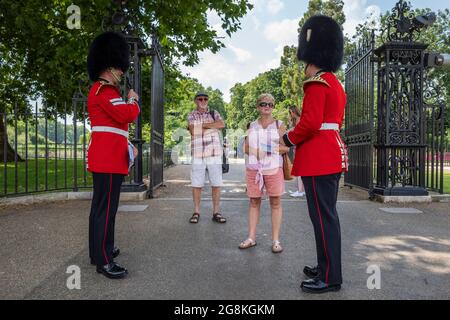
132, 100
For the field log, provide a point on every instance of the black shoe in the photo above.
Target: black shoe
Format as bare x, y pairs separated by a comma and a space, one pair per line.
318, 286
115, 254
112, 271
308, 281
311, 272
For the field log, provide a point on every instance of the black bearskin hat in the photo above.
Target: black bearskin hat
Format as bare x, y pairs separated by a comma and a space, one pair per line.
321, 42
109, 49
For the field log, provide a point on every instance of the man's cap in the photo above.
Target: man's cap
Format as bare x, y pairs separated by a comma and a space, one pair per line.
200, 94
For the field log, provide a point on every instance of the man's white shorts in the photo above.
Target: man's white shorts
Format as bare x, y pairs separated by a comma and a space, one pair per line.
208, 166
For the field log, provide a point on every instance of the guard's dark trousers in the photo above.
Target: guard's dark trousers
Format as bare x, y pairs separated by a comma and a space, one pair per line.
105, 202
321, 195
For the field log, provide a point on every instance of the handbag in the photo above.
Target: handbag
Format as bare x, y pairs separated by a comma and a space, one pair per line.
287, 167
287, 164
130, 155
225, 164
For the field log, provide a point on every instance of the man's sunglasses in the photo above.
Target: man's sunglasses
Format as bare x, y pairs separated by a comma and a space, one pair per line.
202, 99
265, 104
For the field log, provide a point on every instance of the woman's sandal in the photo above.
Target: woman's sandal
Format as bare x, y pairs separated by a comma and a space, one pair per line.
217, 217
248, 243
276, 247
195, 217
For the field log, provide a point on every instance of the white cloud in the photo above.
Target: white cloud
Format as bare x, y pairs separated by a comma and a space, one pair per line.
271, 6
356, 12
213, 67
241, 54
274, 6
254, 49
282, 33
216, 23
373, 13
213, 17
256, 23
272, 64
216, 71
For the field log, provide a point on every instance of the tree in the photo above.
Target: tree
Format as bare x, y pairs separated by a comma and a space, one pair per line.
436, 36
292, 71
41, 56
291, 75
242, 108
331, 8
180, 103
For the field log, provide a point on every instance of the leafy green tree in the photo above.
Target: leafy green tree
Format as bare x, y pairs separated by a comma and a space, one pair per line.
242, 108
180, 102
291, 75
41, 56
436, 36
285, 83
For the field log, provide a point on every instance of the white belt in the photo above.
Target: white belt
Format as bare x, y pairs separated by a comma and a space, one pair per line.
329, 126
110, 129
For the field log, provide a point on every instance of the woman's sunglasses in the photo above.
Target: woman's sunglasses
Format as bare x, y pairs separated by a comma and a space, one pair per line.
265, 104
202, 99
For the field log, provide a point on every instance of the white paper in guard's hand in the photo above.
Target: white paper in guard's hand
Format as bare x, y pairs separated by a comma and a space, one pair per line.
130, 155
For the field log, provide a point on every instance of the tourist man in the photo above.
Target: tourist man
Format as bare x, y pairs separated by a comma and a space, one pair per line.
206, 148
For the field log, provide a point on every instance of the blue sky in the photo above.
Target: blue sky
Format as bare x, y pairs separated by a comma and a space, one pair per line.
266, 29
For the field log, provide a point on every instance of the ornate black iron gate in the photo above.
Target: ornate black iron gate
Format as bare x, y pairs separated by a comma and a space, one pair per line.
401, 118
154, 155
359, 113
133, 80
157, 119
404, 135
434, 105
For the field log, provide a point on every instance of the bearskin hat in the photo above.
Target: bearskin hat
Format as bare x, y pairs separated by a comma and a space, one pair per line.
109, 49
321, 42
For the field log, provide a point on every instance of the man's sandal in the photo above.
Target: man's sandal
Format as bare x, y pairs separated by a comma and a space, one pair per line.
217, 217
195, 217
276, 247
248, 243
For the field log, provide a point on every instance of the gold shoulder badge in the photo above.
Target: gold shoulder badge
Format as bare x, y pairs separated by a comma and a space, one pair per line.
316, 78
102, 83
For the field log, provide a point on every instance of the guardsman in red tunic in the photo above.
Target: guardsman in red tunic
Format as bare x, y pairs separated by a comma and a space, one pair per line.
108, 155
320, 156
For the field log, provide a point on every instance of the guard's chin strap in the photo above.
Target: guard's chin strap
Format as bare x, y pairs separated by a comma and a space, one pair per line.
306, 67
116, 77
320, 71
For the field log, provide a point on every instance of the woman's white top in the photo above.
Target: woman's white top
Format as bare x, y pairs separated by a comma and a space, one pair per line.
266, 141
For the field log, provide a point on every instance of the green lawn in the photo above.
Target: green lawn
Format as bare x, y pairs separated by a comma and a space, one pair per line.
446, 181
55, 177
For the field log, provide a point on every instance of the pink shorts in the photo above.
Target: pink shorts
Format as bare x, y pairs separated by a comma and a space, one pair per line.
274, 184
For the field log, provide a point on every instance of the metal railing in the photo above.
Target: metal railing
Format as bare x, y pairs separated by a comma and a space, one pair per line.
396, 108
45, 150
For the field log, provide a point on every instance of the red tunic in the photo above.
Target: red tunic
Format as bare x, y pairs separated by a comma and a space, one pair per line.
108, 151
319, 152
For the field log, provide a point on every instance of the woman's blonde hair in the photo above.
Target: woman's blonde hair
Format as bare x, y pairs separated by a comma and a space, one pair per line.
265, 96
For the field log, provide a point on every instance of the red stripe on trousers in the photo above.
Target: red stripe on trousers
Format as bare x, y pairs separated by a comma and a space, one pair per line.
321, 227
107, 217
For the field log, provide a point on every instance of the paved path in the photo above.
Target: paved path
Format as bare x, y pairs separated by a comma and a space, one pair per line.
168, 258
